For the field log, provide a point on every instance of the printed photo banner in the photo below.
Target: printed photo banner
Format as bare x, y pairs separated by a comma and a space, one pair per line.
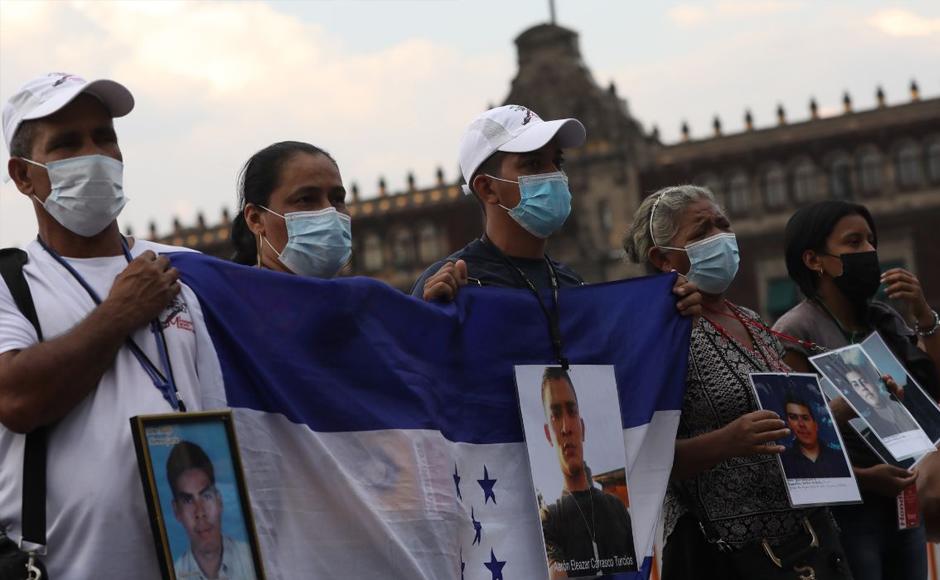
381, 436
853, 374
815, 467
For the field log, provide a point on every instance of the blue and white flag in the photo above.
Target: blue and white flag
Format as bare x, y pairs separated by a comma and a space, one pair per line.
381, 435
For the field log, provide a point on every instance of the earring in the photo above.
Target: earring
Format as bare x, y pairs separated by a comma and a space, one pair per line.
258, 250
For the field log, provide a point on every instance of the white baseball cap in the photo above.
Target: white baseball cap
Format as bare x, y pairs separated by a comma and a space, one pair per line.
512, 129
50, 92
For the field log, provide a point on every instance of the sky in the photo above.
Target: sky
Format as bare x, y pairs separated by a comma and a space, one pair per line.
387, 86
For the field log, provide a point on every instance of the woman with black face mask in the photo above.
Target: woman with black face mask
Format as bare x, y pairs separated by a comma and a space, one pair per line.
831, 254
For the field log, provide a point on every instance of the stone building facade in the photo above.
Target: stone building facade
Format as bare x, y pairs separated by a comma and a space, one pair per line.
887, 158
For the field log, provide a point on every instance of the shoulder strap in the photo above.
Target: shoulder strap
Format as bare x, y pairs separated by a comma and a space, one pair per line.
12, 261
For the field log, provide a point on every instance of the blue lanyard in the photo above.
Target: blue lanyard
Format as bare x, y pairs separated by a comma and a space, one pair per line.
164, 382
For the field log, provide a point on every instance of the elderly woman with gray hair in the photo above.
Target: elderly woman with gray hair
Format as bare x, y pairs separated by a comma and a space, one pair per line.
727, 514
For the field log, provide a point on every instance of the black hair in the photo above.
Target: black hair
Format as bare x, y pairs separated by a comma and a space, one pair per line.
21, 145
256, 180
555, 374
808, 229
492, 165
187, 455
793, 399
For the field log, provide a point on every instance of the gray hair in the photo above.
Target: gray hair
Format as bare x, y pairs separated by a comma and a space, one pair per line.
669, 203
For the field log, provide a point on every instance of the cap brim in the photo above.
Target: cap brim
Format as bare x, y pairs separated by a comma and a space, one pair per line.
116, 98
566, 132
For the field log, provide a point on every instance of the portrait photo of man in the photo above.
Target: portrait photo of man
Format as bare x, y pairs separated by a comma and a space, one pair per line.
198, 507
885, 415
814, 464
875, 398
809, 456
587, 531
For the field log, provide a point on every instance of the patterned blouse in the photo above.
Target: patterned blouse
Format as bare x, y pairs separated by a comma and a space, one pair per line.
743, 499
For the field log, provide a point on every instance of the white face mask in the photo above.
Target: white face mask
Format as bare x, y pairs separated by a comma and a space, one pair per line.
87, 192
319, 243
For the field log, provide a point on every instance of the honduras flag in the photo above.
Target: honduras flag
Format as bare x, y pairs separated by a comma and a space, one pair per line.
381, 435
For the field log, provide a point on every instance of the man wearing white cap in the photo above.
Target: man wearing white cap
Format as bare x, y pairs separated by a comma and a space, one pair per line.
512, 161
119, 335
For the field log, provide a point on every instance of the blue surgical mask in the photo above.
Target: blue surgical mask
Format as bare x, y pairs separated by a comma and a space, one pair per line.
544, 202
714, 262
87, 192
319, 243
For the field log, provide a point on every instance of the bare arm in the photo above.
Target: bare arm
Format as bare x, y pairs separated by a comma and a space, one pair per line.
41, 384
747, 435
903, 285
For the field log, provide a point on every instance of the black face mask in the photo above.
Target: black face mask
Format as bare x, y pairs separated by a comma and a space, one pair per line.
861, 276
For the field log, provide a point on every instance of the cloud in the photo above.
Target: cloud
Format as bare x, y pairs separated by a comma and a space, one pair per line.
694, 15
755, 8
904, 23
688, 15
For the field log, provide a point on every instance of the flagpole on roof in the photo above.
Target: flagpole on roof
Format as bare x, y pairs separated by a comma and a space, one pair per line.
551, 11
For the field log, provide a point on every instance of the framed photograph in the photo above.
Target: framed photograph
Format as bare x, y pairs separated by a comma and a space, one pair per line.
196, 496
921, 406
575, 442
858, 381
815, 465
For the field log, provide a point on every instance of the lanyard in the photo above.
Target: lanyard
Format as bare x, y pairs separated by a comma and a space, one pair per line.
164, 382
809, 345
758, 345
552, 315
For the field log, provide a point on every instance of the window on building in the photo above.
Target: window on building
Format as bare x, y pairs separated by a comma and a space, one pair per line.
712, 183
840, 178
428, 243
805, 181
933, 161
910, 173
738, 193
605, 216
715, 186
870, 168
372, 259
782, 295
775, 187
403, 248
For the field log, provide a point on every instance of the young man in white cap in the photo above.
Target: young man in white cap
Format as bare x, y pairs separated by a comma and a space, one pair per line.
513, 161
120, 338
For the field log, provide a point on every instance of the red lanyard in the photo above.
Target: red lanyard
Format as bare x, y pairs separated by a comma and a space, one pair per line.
745, 322
807, 344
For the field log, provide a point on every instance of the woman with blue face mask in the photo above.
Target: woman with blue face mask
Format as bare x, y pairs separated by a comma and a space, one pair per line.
726, 508
292, 212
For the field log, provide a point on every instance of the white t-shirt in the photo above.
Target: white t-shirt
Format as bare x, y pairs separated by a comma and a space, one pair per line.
96, 515
236, 563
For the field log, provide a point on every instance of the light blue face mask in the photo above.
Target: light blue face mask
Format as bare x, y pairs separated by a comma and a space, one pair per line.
544, 202
714, 262
319, 243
